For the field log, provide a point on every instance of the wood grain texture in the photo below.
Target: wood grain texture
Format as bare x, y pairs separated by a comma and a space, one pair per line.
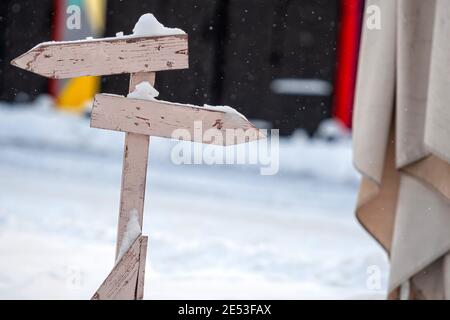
159, 118
60, 60
134, 171
132, 192
126, 281
122, 282
141, 270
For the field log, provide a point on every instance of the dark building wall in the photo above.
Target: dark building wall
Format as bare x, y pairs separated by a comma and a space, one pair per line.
237, 48
247, 49
268, 40
23, 24
303, 46
194, 85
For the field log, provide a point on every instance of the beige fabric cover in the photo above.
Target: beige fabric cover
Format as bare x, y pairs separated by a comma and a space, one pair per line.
401, 141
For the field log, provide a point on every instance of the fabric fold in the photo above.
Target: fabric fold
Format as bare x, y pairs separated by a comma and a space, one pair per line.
402, 141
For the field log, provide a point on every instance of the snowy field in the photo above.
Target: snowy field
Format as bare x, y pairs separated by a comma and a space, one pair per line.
214, 231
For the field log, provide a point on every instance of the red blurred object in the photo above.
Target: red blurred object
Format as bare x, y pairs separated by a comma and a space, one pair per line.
57, 35
351, 12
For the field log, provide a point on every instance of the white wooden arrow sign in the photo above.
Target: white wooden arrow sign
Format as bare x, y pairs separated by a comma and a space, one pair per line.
161, 118
130, 54
139, 119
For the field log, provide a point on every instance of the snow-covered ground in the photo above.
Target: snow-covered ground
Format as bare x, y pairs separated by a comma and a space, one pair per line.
214, 231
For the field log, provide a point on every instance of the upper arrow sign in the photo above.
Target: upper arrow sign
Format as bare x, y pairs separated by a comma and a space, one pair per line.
131, 54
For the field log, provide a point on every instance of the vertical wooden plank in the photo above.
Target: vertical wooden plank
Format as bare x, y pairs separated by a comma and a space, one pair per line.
134, 170
134, 175
141, 270
121, 283
133, 182
137, 78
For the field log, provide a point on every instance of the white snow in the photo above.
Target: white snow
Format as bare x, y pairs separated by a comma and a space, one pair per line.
226, 109
332, 129
144, 91
148, 25
132, 232
214, 231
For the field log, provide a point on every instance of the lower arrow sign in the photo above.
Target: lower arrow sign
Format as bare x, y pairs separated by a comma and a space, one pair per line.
166, 119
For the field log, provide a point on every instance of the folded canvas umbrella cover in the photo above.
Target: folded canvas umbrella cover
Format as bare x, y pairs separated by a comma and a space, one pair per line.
402, 142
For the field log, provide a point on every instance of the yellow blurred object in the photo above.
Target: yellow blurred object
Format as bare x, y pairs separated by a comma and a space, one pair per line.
96, 13
77, 93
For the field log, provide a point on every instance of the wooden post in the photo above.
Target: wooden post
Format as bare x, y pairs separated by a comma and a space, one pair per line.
139, 119
134, 171
132, 192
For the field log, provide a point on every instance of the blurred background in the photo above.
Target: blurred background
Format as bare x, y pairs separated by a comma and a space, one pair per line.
215, 231
272, 60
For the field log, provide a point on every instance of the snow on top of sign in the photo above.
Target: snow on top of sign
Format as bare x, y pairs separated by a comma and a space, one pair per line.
226, 109
144, 91
148, 25
132, 232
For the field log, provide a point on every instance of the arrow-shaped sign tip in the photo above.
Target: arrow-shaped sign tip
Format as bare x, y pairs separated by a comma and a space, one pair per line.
27, 61
18, 62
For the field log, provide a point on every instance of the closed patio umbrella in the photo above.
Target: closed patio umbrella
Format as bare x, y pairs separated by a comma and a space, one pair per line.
401, 142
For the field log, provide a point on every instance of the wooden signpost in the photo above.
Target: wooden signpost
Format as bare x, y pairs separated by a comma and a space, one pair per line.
139, 119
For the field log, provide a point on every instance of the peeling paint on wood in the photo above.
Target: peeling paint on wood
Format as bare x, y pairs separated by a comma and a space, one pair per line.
134, 171
132, 193
141, 270
159, 118
132, 197
126, 279
60, 60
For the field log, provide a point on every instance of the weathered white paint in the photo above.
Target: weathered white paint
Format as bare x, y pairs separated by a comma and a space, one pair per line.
134, 171
126, 279
134, 176
132, 196
159, 118
141, 270
106, 56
